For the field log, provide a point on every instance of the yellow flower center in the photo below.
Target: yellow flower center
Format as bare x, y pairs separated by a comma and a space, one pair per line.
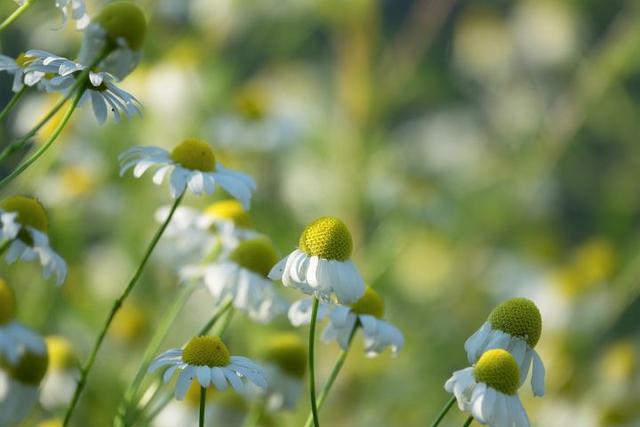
23, 60
61, 355
50, 423
194, 154
123, 19
257, 255
518, 317
370, 303
206, 351
230, 210
327, 238
289, 353
499, 370
30, 369
130, 323
7, 303
30, 211
251, 104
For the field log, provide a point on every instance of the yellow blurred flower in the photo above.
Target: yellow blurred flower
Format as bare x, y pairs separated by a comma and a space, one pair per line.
619, 362
129, 324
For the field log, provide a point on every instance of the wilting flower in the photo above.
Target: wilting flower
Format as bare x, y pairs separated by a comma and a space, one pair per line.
106, 96
207, 359
15, 339
62, 376
321, 266
489, 390
192, 163
119, 30
242, 276
23, 227
19, 386
515, 325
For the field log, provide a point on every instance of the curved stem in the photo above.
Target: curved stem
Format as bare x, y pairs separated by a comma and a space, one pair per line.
203, 400
12, 102
312, 373
333, 375
114, 309
35, 156
16, 14
468, 422
217, 315
444, 411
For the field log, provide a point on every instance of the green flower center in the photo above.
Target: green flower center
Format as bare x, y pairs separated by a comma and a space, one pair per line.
206, 351
499, 370
257, 255
23, 60
7, 303
61, 355
327, 238
194, 154
289, 353
30, 211
230, 210
30, 369
518, 317
123, 19
370, 303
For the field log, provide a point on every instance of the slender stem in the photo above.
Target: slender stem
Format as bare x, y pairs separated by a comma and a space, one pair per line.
312, 373
468, 422
35, 156
4, 246
444, 411
16, 14
203, 400
116, 306
12, 102
333, 375
216, 316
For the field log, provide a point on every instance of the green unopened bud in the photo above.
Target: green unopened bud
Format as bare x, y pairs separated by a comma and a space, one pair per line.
257, 255
30, 369
123, 19
30, 211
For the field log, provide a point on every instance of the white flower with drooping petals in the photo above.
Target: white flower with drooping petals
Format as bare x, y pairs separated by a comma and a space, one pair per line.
106, 96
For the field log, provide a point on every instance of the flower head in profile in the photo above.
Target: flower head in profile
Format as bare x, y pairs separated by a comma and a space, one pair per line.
106, 96
207, 360
19, 384
23, 228
242, 276
516, 326
489, 390
15, 339
49, 72
192, 164
120, 30
321, 265
61, 379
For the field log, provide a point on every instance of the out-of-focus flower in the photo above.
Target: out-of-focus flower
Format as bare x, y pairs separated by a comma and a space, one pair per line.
515, 325
300, 311
105, 96
184, 413
242, 276
51, 73
207, 359
321, 266
54, 422
489, 390
129, 324
61, 379
192, 163
619, 363
75, 9
24, 225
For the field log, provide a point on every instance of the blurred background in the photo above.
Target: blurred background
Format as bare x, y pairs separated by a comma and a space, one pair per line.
477, 150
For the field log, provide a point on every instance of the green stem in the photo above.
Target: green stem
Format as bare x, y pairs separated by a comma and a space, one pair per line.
333, 375
116, 306
12, 102
312, 373
4, 246
35, 156
444, 411
217, 315
203, 400
16, 14
468, 422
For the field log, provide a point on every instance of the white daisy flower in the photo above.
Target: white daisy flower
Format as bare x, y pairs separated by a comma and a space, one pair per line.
321, 266
192, 163
106, 96
119, 29
184, 413
300, 311
515, 325
15, 339
242, 276
46, 71
61, 379
15, 67
489, 390
75, 9
19, 387
207, 359
23, 235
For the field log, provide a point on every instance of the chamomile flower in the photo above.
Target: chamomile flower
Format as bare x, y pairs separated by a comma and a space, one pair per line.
15, 339
321, 266
37, 67
106, 96
192, 164
515, 325
23, 228
119, 29
489, 390
242, 276
62, 376
207, 359
19, 386
74, 9
300, 311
